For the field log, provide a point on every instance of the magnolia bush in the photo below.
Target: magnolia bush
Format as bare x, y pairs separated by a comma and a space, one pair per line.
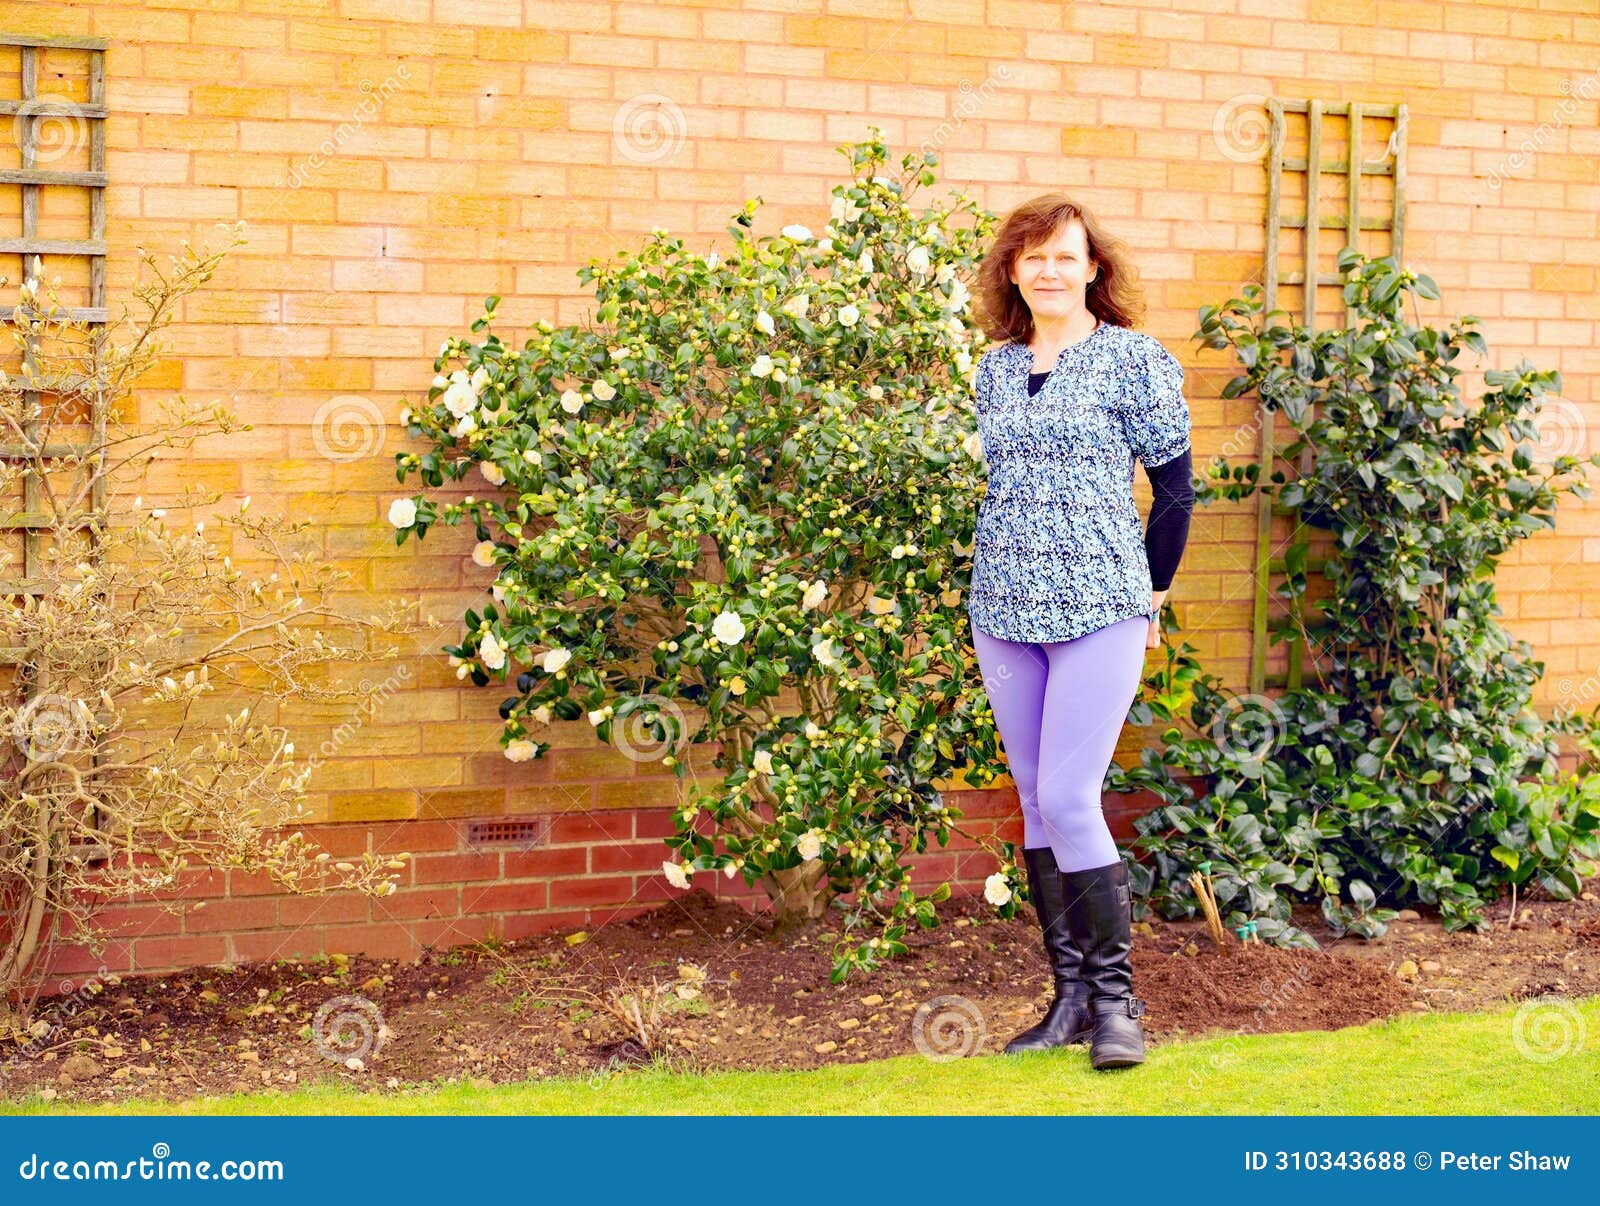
745, 497
146, 665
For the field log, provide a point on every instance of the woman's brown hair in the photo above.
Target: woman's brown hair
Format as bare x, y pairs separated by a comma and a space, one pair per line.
1112, 296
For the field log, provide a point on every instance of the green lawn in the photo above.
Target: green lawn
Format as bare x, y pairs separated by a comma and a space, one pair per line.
1428, 1064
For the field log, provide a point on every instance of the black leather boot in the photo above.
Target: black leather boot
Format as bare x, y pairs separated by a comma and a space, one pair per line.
1067, 1018
1099, 909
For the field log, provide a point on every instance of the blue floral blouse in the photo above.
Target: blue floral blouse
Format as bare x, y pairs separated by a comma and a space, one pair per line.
1058, 550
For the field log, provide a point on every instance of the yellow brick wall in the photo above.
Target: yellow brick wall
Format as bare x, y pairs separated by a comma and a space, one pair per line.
486, 163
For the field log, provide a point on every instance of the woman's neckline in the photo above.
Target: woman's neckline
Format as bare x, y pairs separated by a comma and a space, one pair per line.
1099, 326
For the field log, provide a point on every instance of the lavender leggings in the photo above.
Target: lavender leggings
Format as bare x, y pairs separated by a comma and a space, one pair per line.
1059, 707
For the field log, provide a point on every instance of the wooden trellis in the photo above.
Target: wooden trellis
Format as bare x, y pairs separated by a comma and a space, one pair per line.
32, 524
26, 113
1310, 278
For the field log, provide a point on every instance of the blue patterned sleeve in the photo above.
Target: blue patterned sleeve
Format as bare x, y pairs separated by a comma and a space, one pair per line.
980, 385
1155, 416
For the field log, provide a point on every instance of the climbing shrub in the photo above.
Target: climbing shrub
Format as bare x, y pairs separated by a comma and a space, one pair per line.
1409, 767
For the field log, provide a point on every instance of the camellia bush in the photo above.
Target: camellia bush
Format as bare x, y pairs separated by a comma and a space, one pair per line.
745, 497
1409, 767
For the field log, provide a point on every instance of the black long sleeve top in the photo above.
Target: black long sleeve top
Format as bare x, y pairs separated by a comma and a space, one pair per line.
1167, 532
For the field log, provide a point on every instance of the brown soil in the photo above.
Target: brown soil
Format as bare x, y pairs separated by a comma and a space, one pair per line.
525, 1010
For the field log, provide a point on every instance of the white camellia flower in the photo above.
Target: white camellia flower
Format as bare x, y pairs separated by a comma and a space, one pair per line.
728, 628
459, 399
492, 473
403, 512
597, 716
463, 670
440, 381
809, 845
572, 401
945, 272
849, 314
467, 426
483, 553
762, 761
492, 652
996, 890
737, 685
762, 366
675, 873
479, 378
603, 390
499, 592
814, 596
878, 606
797, 305
730, 871
519, 750
865, 262
812, 731
824, 653
959, 297
764, 323
555, 659
533, 456
798, 233
917, 260
542, 713
973, 446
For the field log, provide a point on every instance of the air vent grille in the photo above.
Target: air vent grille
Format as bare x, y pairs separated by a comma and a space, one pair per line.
513, 833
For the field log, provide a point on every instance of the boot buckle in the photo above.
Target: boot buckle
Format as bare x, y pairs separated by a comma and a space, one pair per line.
1135, 1007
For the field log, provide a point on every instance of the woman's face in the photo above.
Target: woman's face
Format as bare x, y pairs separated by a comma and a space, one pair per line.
1053, 276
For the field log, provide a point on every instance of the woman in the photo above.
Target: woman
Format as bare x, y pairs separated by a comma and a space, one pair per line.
1065, 596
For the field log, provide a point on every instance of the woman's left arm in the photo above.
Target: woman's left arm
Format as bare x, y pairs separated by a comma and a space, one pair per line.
1167, 532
